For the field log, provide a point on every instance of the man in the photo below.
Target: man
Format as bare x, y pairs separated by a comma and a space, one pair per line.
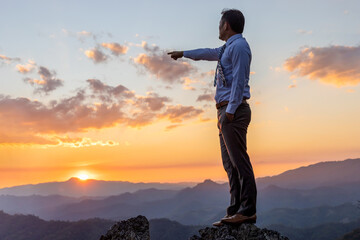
234, 113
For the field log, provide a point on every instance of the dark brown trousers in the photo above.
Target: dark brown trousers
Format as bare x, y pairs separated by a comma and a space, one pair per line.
236, 161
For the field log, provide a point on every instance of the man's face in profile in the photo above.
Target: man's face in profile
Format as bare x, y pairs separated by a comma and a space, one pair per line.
221, 29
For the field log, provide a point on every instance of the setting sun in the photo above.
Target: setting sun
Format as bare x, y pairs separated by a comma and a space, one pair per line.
83, 176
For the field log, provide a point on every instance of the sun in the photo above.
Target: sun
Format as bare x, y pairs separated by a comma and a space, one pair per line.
83, 176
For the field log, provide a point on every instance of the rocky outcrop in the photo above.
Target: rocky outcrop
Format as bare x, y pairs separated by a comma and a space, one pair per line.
138, 229
132, 229
245, 231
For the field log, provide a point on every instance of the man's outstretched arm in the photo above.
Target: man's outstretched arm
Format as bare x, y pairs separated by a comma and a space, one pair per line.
209, 54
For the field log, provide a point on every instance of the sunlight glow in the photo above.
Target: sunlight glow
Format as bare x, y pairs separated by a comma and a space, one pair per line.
83, 176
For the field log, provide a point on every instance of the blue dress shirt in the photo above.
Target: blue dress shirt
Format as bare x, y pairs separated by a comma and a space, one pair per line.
235, 62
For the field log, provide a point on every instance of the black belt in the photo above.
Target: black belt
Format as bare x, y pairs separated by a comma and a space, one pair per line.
224, 103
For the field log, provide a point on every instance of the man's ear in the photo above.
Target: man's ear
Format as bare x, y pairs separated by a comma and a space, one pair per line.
226, 26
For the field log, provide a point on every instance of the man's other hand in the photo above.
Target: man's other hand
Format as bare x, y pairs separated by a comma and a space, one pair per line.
176, 54
230, 116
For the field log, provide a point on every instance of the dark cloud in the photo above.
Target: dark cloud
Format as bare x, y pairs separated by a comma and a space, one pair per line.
47, 83
337, 65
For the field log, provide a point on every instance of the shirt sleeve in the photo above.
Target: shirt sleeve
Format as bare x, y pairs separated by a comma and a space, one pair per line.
209, 54
239, 59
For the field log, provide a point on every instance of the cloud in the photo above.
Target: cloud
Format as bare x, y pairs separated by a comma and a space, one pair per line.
115, 48
304, 32
186, 83
293, 85
83, 142
81, 36
96, 55
208, 94
26, 68
47, 83
107, 93
170, 127
336, 65
152, 101
8, 60
84, 33
97, 106
146, 46
158, 63
209, 97
179, 113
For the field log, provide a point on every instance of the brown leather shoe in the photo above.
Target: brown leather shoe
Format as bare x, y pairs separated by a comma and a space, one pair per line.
239, 218
219, 223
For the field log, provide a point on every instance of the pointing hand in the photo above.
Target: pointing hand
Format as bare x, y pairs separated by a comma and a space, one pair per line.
176, 54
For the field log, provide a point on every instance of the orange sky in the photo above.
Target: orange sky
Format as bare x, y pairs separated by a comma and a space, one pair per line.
86, 89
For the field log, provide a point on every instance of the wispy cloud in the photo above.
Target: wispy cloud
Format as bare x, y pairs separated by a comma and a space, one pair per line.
83, 142
178, 113
170, 127
336, 65
115, 48
28, 67
81, 35
304, 32
8, 60
293, 85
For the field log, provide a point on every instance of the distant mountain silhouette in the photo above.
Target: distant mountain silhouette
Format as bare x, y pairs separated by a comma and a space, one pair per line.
29, 227
74, 187
273, 196
309, 217
316, 175
327, 231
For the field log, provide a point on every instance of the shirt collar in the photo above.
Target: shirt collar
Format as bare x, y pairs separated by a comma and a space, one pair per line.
232, 38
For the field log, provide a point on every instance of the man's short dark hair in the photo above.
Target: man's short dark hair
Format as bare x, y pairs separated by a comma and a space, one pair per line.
235, 18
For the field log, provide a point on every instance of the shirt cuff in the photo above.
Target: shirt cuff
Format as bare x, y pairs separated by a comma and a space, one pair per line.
186, 54
231, 108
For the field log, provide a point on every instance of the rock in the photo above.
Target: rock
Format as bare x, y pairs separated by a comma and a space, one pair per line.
245, 231
138, 229
131, 229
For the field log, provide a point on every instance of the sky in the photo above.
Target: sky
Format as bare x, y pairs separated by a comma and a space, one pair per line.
87, 89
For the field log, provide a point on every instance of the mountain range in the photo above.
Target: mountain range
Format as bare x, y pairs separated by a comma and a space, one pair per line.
75, 187
287, 202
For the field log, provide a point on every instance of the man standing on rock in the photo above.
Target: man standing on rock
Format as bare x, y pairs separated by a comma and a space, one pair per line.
234, 113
